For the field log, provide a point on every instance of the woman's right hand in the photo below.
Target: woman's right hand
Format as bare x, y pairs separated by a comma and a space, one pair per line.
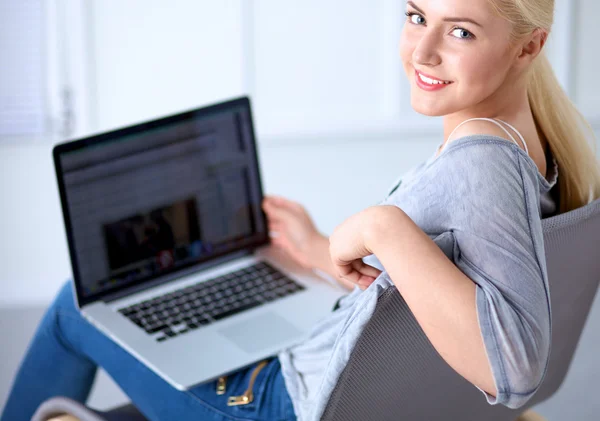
295, 232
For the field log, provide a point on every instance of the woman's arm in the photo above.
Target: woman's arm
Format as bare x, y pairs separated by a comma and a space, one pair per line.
323, 261
298, 236
480, 291
441, 297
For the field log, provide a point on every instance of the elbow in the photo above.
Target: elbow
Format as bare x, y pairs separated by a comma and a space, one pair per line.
518, 391
524, 377
532, 375
519, 361
534, 360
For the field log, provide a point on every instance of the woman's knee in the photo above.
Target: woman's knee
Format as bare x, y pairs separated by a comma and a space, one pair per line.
65, 299
63, 303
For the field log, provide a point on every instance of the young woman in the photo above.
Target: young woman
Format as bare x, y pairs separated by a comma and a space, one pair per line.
460, 236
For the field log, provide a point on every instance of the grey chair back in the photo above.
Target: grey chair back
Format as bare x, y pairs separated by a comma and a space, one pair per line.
394, 373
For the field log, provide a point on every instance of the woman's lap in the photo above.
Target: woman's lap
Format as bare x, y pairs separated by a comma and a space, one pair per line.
66, 349
271, 401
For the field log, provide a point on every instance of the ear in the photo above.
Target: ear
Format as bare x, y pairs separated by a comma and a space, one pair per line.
532, 46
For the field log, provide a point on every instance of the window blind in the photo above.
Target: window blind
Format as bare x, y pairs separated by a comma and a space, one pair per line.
22, 68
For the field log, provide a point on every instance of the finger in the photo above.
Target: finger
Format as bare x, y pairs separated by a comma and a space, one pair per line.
266, 204
358, 272
364, 279
343, 270
356, 277
272, 218
272, 214
364, 285
284, 203
283, 244
282, 215
283, 241
365, 269
271, 208
277, 227
270, 200
275, 223
276, 241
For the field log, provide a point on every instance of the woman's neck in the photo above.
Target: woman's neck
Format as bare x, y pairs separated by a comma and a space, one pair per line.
518, 113
510, 104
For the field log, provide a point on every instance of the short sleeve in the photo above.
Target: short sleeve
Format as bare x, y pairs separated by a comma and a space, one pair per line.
488, 199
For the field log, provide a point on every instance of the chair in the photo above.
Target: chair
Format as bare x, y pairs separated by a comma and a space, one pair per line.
395, 373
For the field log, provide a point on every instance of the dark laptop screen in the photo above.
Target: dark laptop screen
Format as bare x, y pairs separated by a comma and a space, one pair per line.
161, 196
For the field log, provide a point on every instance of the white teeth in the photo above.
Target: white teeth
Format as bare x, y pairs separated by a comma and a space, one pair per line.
432, 81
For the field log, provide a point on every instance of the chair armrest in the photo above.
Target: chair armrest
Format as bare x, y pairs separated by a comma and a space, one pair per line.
65, 409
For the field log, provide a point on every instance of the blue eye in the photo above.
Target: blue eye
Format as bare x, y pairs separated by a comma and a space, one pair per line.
462, 33
415, 18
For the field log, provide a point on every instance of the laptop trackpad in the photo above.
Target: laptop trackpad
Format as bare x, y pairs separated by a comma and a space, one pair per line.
261, 331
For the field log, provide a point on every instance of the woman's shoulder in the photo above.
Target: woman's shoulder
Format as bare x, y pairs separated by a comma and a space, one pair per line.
484, 166
484, 128
531, 144
484, 153
481, 164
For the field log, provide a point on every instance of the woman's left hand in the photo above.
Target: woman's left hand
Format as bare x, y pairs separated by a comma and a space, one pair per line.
348, 245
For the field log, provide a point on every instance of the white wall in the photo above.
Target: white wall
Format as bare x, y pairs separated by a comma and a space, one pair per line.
327, 88
311, 67
152, 58
586, 56
33, 244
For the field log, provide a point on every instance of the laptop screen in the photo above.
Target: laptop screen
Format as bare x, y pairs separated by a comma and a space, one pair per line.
158, 197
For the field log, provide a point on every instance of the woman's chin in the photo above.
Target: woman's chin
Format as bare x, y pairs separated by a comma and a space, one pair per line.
429, 110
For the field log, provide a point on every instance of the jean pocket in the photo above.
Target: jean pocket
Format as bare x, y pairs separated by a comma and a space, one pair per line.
248, 394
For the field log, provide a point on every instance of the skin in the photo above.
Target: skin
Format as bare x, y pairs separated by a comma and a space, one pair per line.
487, 74
486, 69
295, 233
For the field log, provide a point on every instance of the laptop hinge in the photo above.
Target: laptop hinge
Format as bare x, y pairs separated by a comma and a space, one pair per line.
173, 276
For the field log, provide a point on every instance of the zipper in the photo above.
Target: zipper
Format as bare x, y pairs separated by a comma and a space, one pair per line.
247, 396
221, 383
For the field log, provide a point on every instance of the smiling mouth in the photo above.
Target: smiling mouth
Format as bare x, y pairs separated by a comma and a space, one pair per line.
431, 81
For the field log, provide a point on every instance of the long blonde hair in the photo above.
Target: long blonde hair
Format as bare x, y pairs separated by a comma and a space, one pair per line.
569, 135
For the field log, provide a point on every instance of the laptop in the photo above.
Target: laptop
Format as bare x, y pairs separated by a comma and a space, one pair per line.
170, 249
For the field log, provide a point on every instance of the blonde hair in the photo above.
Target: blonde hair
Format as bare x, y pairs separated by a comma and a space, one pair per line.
569, 135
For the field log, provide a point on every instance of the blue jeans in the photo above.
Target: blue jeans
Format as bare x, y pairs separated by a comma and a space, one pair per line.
66, 351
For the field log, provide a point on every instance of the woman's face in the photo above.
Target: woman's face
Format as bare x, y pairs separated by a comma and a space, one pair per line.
462, 43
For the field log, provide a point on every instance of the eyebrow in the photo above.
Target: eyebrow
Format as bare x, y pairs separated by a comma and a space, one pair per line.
445, 19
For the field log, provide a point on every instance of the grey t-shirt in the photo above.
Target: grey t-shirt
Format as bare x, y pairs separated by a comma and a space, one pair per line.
481, 201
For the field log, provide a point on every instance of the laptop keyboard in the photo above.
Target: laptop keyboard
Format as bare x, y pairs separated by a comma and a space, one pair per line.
198, 305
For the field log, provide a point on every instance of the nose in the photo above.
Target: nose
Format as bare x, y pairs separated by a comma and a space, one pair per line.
425, 52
